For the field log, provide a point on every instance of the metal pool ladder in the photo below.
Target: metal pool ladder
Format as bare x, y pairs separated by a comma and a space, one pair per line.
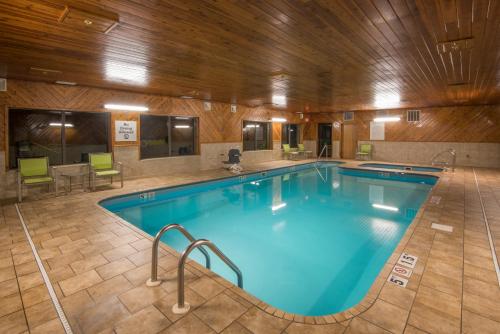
153, 281
181, 306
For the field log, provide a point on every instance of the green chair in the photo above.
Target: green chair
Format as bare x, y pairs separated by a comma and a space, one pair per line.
303, 151
32, 172
365, 151
288, 152
102, 165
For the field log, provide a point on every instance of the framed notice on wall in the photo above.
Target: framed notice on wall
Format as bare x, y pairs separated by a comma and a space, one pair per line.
125, 131
377, 131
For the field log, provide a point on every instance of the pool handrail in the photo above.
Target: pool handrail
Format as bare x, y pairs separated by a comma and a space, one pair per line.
153, 280
321, 153
182, 307
453, 154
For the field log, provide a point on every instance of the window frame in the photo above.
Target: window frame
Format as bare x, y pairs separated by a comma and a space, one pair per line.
196, 130
109, 144
269, 140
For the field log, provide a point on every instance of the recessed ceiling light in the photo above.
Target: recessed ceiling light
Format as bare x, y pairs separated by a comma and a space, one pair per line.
182, 126
186, 97
278, 119
87, 22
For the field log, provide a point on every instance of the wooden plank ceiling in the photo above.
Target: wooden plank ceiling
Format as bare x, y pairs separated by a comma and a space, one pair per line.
321, 55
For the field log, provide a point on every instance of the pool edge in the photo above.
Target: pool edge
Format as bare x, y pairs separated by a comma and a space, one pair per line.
366, 302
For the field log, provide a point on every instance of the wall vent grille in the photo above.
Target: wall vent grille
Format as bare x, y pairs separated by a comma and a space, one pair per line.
413, 116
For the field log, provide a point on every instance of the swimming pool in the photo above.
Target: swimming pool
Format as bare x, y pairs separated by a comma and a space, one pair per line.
403, 167
308, 240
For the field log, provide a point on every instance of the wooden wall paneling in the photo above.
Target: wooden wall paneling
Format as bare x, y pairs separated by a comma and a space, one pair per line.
441, 124
215, 126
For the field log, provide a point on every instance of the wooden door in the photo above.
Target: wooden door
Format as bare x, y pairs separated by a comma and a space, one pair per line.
349, 141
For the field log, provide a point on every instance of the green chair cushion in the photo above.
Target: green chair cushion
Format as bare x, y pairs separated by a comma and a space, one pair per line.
35, 180
286, 148
363, 153
33, 167
301, 147
107, 172
365, 148
100, 161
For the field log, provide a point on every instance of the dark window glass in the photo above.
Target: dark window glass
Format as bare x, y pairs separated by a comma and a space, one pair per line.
256, 136
183, 130
154, 136
85, 133
164, 136
64, 137
290, 134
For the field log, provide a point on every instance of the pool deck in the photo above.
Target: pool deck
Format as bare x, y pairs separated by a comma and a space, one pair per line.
98, 265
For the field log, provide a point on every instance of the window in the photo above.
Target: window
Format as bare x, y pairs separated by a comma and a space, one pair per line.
256, 136
165, 136
290, 134
348, 115
65, 137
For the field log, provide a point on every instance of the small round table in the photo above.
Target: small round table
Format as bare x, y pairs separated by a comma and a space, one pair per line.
68, 178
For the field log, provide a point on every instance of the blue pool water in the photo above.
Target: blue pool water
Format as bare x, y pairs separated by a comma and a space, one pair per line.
403, 167
308, 241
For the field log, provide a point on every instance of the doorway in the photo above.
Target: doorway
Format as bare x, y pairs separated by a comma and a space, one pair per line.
325, 138
349, 140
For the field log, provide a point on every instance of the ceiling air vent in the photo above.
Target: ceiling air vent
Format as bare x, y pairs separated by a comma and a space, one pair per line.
348, 115
3, 85
413, 115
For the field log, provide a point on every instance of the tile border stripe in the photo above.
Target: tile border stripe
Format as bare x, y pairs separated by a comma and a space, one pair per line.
50, 288
490, 239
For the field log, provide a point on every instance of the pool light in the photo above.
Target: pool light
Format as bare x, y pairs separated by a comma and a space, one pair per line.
278, 206
387, 119
385, 207
125, 107
278, 119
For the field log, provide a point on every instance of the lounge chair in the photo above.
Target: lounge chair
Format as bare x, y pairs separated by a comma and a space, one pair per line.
233, 161
102, 165
32, 172
302, 150
364, 152
288, 152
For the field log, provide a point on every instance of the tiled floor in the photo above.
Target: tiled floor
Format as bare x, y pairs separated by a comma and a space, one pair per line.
99, 265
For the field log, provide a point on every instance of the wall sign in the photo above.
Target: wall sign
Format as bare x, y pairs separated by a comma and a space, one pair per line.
377, 131
125, 131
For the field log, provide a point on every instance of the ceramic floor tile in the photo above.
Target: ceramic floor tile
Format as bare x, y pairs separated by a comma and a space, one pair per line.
219, 312
387, 316
259, 322
148, 320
